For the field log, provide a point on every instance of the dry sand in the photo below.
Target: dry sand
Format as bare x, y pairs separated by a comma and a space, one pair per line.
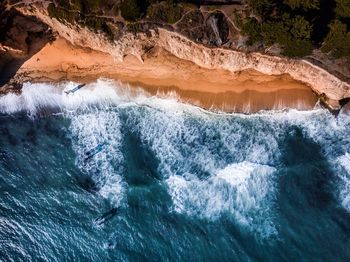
161, 72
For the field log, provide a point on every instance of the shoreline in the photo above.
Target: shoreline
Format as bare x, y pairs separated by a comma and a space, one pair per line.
160, 72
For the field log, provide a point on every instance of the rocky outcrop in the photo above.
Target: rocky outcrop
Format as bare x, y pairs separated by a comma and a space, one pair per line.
21, 36
322, 82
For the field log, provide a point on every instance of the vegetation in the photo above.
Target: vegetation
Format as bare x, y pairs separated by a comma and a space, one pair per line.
61, 14
338, 40
343, 8
166, 12
130, 10
304, 4
74, 13
298, 26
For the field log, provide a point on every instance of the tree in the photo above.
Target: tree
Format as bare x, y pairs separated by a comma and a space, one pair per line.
338, 40
252, 29
300, 28
297, 48
343, 8
130, 10
293, 34
304, 4
261, 7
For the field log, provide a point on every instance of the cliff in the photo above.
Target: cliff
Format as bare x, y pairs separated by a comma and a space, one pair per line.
21, 36
328, 86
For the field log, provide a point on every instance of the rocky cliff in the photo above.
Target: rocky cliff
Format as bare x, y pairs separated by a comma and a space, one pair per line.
328, 86
21, 36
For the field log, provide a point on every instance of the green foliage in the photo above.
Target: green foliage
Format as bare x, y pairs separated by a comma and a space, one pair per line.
300, 28
130, 10
304, 4
338, 40
275, 32
297, 48
293, 34
166, 12
261, 7
93, 23
61, 14
293, 24
343, 8
252, 28
72, 15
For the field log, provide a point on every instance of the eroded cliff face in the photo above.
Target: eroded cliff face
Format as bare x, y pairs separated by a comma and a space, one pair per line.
317, 78
331, 88
21, 36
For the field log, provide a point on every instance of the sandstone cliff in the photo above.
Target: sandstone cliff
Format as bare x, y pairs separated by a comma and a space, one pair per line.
331, 88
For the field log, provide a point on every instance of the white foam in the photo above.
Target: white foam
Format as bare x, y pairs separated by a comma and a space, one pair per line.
39, 96
236, 174
88, 131
244, 190
32, 99
344, 175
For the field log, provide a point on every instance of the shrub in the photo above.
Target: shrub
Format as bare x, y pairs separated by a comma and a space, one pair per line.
252, 29
297, 48
338, 40
343, 8
304, 4
166, 12
130, 10
61, 14
261, 7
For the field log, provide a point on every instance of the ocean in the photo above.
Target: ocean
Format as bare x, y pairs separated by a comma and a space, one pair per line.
110, 173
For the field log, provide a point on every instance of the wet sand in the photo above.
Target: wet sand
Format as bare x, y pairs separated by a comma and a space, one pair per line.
160, 73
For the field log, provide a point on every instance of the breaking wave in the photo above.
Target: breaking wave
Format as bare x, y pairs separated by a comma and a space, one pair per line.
244, 190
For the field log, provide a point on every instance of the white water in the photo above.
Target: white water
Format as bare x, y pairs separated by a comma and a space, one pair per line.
245, 190
213, 164
88, 131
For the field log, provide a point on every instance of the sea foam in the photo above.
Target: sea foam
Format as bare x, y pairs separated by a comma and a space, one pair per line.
244, 189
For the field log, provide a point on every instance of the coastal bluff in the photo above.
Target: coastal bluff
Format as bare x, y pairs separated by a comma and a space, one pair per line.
331, 89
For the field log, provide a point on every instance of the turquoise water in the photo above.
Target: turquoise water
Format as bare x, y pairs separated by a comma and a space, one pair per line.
172, 182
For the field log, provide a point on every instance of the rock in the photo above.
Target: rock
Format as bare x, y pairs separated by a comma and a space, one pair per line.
21, 36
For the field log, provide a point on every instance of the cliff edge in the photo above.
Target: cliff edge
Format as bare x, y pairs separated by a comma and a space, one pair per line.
29, 27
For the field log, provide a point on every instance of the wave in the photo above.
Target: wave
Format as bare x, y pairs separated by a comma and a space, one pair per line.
213, 164
39, 97
90, 130
245, 190
344, 175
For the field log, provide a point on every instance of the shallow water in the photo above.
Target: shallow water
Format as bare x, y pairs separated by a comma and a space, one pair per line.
172, 181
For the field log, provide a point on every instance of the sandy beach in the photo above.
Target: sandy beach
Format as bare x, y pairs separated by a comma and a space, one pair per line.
159, 73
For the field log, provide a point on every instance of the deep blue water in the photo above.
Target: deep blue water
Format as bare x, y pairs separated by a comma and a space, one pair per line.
172, 182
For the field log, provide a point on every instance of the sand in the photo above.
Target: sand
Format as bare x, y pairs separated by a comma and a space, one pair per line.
160, 73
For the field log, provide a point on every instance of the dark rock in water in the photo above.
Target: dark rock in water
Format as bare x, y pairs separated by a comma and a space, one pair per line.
106, 216
87, 184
